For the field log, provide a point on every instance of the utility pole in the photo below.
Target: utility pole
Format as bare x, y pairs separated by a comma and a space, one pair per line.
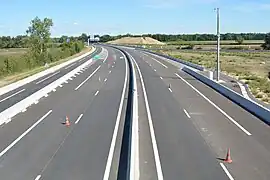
218, 44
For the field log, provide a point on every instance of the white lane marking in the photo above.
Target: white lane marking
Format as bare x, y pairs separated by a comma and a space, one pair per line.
150, 65
243, 90
160, 63
218, 108
70, 79
96, 93
115, 131
47, 77
66, 82
87, 79
46, 95
74, 75
104, 60
60, 85
170, 89
12, 95
54, 90
152, 132
187, 113
161, 77
110, 72
24, 134
155, 70
36, 102
24, 110
77, 73
121, 57
226, 171
38, 177
70, 65
105, 79
79, 118
112, 66
134, 162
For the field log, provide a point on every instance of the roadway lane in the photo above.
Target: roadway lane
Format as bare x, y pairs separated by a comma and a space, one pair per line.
54, 151
12, 97
220, 122
183, 152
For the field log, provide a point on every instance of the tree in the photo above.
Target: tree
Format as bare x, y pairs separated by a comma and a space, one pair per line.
266, 45
39, 32
239, 39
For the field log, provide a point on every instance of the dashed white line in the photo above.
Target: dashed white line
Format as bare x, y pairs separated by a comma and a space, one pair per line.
105, 79
38, 177
71, 78
121, 57
96, 93
161, 77
218, 108
152, 132
87, 79
115, 131
79, 118
170, 89
155, 70
12, 95
160, 63
226, 171
24, 134
187, 113
70, 65
47, 77
110, 72
150, 65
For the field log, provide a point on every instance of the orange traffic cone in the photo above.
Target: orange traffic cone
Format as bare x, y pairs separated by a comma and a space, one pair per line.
67, 123
228, 158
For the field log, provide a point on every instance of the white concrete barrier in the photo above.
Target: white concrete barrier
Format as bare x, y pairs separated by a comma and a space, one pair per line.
251, 106
6, 115
29, 79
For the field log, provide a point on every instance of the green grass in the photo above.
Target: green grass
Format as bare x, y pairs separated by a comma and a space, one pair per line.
252, 68
10, 78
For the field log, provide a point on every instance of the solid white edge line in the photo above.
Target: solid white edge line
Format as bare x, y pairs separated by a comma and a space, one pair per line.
115, 131
24, 134
38, 177
47, 77
160, 62
79, 118
170, 89
134, 162
96, 93
187, 113
87, 79
152, 132
226, 171
12, 95
70, 66
218, 108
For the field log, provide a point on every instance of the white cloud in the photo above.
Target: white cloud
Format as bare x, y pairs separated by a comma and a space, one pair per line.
251, 7
75, 23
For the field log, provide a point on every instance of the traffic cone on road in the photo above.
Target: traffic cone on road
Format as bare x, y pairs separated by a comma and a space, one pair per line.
67, 123
228, 158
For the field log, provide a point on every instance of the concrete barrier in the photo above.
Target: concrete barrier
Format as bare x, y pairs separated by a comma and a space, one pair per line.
29, 79
251, 106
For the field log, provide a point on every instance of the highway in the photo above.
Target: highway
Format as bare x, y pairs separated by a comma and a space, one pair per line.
12, 97
182, 131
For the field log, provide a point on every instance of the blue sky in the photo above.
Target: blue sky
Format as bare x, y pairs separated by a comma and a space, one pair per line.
72, 17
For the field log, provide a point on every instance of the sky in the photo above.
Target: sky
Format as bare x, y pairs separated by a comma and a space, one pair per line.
113, 17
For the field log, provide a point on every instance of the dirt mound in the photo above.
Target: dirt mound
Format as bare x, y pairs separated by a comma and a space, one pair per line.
136, 40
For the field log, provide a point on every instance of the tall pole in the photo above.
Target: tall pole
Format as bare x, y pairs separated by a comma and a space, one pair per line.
218, 45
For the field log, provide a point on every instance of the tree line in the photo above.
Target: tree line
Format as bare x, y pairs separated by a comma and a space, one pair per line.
190, 37
41, 48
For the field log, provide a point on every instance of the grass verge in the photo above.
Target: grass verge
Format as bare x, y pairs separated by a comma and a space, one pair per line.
21, 75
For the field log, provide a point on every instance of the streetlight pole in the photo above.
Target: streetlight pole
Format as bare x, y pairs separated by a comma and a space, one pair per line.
218, 44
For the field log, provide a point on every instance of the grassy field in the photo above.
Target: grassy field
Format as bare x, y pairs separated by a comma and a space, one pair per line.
251, 68
229, 42
26, 73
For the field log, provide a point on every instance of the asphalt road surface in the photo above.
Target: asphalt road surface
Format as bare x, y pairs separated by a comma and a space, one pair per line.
184, 127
